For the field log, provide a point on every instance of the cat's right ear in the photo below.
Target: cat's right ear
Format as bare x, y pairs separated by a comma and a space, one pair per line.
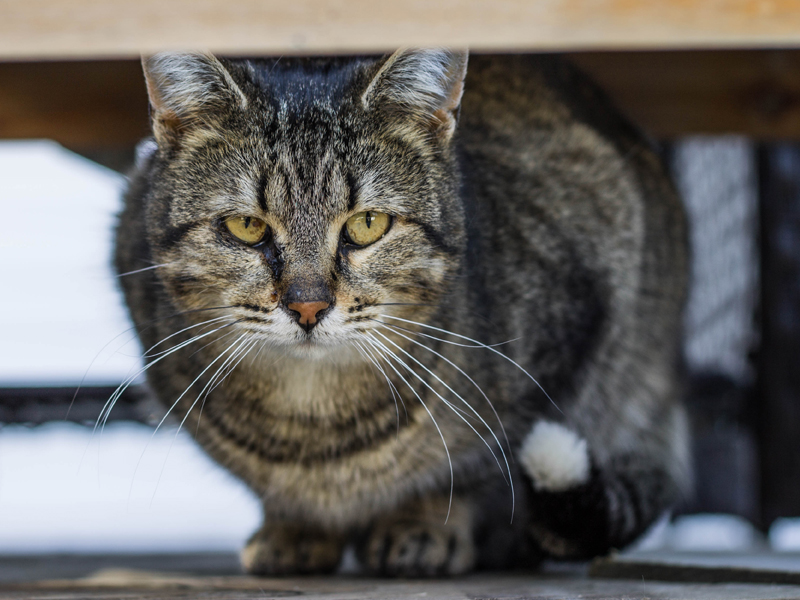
187, 91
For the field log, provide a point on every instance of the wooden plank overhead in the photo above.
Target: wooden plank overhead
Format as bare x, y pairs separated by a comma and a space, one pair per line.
50, 29
79, 104
669, 94
101, 104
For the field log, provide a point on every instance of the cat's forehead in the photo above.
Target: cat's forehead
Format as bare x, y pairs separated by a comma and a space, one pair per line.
301, 83
302, 183
312, 149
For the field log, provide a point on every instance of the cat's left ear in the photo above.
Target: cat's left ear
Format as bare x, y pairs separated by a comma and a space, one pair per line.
426, 84
188, 91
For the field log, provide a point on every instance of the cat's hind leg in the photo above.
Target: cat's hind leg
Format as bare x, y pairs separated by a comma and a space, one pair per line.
580, 508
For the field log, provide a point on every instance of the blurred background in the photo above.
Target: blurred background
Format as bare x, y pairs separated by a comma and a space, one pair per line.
70, 130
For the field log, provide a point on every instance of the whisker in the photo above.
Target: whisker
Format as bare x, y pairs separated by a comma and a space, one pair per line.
216, 384
460, 370
171, 408
196, 379
204, 395
147, 354
500, 354
372, 342
372, 353
388, 381
457, 395
402, 304
147, 325
472, 312
91, 364
145, 269
260, 349
219, 339
109, 405
451, 343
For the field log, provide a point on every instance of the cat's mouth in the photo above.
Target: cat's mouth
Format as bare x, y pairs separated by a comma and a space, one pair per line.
304, 333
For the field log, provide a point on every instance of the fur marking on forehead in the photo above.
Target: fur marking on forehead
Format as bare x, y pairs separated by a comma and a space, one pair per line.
303, 187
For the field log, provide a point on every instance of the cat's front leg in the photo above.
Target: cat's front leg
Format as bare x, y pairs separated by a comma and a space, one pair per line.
415, 541
287, 548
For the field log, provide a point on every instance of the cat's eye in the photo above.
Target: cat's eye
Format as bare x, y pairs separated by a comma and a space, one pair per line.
247, 229
366, 227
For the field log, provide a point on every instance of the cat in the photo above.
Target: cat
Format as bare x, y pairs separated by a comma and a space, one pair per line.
422, 304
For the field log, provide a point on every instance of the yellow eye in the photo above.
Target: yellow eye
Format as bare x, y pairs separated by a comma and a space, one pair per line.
247, 229
366, 227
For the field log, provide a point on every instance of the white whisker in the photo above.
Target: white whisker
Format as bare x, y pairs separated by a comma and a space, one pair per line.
364, 353
449, 404
393, 328
488, 401
144, 269
227, 361
500, 354
433, 337
169, 411
204, 394
109, 405
156, 345
373, 342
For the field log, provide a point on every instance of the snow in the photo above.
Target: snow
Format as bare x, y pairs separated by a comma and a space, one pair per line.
60, 301
784, 535
124, 490
62, 489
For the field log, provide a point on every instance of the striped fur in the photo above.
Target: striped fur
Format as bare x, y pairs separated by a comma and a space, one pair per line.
524, 211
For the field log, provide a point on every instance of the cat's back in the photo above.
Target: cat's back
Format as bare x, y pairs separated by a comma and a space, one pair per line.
577, 235
547, 159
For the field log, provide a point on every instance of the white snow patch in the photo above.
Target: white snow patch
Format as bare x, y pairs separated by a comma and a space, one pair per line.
784, 535
62, 490
712, 532
60, 302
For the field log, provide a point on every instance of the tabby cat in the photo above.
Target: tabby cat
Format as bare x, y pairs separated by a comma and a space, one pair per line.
427, 310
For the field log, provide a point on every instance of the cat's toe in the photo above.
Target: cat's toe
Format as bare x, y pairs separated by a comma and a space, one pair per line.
287, 550
419, 550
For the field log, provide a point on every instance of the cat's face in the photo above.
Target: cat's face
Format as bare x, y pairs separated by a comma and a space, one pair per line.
308, 199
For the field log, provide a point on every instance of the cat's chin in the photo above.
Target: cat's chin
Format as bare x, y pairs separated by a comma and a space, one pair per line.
341, 352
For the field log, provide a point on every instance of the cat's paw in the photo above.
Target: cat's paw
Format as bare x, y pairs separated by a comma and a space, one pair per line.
284, 549
412, 549
555, 458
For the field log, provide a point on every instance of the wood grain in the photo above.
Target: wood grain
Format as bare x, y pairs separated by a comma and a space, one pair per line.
119, 28
669, 94
89, 105
118, 578
79, 104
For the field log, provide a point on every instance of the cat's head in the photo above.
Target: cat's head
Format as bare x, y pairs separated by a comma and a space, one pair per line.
307, 196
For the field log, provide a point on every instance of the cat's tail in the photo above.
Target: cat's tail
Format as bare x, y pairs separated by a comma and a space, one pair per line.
581, 509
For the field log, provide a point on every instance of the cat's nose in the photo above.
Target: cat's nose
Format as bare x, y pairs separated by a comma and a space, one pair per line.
307, 301
307, 312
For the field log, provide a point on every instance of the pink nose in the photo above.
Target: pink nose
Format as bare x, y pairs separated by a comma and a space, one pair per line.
308, 311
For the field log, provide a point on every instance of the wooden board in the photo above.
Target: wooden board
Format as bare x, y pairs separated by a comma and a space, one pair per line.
116, 28
700, 567
88, 105
79, 104
115, 583
669, 94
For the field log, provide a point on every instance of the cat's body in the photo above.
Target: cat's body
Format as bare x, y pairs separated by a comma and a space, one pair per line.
542, 219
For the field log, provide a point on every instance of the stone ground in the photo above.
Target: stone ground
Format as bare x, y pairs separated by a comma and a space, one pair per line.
651, 576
